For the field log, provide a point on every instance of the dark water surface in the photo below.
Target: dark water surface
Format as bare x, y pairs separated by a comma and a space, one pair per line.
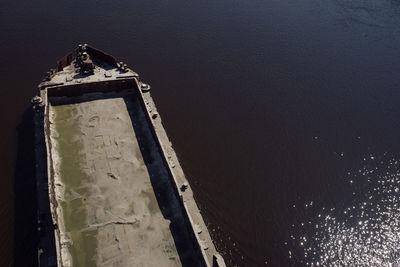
285, 115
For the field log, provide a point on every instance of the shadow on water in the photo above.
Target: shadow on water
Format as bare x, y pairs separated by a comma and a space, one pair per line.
159, 177
25, 234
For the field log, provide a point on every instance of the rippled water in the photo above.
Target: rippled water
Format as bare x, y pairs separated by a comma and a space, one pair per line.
269, 105
365, 229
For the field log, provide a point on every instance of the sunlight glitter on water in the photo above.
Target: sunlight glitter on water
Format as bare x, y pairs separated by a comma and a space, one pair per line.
364, 233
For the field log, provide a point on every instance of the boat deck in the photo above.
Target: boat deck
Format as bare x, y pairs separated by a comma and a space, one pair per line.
118, 207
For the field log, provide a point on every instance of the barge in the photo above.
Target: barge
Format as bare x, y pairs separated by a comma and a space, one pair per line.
111, 191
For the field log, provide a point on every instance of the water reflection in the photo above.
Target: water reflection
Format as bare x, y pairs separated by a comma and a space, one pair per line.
380, 19
364, 231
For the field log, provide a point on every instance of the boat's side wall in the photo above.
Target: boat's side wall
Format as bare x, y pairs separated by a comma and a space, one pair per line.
95, 87
200, 234
46, 243
50, 174
175, 181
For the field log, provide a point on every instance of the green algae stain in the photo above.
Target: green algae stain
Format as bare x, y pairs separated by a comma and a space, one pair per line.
75, 213
83, 248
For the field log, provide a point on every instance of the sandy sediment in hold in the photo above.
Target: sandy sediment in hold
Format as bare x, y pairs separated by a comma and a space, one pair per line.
108, 214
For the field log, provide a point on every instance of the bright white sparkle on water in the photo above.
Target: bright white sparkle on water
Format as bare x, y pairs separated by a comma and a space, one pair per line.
366, 233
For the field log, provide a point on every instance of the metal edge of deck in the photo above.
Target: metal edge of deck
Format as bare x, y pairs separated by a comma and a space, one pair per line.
50, 176
184, 193
182, 189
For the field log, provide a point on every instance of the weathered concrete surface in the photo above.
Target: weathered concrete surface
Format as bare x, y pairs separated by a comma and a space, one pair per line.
111, 214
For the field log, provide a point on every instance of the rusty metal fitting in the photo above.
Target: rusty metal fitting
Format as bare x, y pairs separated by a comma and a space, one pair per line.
36, 100
184, 186
145, 87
